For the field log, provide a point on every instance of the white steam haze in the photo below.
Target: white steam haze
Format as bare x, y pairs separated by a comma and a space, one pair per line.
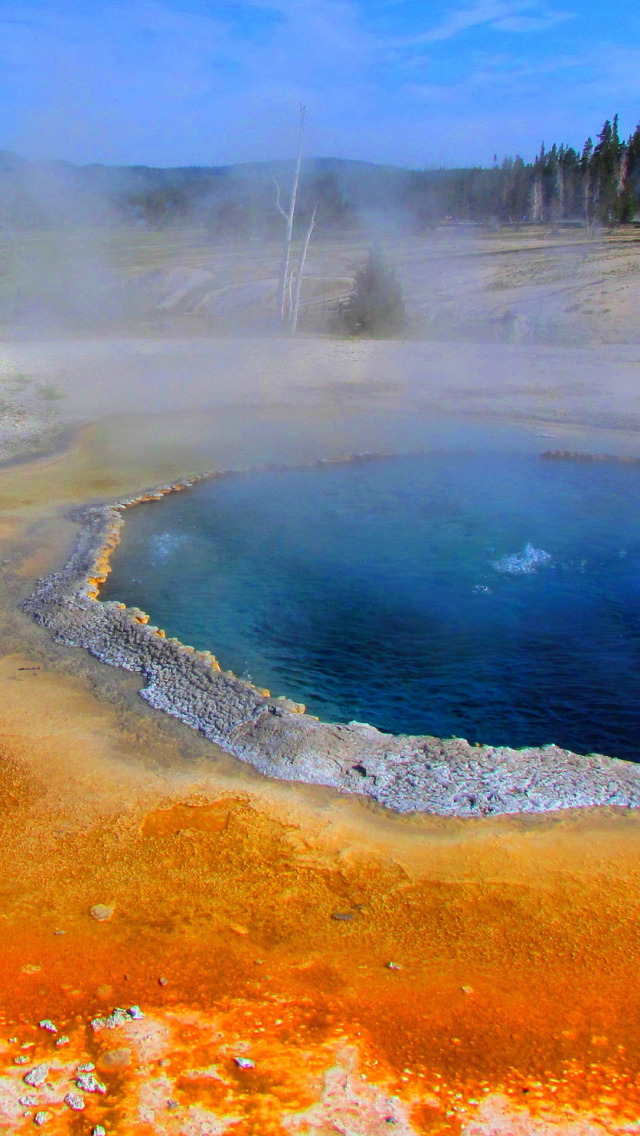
140, 143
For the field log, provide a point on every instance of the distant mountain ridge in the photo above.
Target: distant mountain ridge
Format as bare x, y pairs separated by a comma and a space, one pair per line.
600, 184
238, 198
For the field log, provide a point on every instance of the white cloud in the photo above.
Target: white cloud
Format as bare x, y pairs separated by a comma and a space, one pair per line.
525, 24
502, 15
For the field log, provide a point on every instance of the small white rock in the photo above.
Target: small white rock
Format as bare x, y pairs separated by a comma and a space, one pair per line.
135, 1013
117, 1018
88, 1068
90, 1084
28, 1101
37, 1076
62, 1040
244, 1062
98, 1130
74, 1101
47, 1024
41, 1118
102, 912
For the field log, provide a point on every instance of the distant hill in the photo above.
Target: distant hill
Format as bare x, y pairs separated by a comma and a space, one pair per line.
599, 184
235, 200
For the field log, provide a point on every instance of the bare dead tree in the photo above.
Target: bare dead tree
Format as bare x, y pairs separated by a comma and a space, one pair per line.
623, 173
591, 197
303, 256
284, 282
538, 201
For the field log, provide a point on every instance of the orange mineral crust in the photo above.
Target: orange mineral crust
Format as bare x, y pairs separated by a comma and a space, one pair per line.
380, 973
303, 962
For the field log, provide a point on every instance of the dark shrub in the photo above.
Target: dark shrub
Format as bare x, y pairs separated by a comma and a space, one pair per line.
375, 308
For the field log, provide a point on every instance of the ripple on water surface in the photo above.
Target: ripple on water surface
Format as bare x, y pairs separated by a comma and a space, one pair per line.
490, 596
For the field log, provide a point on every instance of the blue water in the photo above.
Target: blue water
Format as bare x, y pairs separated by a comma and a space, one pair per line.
493, 597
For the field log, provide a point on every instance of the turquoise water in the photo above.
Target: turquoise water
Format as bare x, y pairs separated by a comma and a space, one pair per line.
493, 597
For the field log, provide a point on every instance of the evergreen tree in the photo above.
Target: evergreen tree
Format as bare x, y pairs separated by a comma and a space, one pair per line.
572, 183
633, 150
375, 307
515, 190
608, 167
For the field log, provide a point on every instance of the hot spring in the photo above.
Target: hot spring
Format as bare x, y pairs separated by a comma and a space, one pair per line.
491, 596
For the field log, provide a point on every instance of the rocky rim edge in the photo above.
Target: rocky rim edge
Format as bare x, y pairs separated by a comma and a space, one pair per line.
405, 773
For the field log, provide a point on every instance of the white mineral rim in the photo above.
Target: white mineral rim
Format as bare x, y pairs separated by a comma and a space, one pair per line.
406, 773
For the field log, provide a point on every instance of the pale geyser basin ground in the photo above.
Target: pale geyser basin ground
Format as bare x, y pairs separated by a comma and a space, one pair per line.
210, 868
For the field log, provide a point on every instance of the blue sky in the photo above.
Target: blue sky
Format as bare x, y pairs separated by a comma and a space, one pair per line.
410, 82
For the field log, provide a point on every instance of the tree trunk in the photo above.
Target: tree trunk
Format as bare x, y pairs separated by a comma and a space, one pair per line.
283, 281
538, 203
303, 257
